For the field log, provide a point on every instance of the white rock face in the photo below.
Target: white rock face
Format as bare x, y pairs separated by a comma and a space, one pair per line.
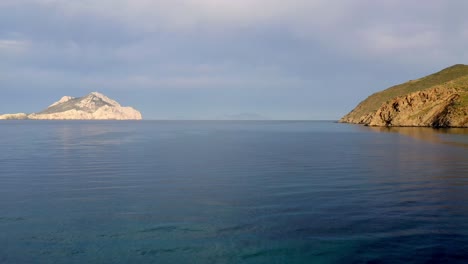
63, 100
14, 116
102, 113
94, 106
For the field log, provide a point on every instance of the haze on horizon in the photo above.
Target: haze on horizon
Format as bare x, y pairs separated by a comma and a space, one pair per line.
215, 59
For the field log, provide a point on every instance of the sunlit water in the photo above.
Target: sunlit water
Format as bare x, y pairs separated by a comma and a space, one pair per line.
231, 192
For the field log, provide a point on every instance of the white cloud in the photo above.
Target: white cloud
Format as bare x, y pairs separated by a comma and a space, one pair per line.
393, 29
387, 42
380, 28
205, 81
189, 14
10, 46
13, 45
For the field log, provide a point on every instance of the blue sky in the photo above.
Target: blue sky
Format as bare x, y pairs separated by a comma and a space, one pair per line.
215, 59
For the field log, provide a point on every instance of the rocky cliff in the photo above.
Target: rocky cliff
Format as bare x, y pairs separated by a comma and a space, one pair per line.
437, 100
94, 106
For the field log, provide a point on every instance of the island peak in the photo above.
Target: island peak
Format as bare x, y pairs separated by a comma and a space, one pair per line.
94, 106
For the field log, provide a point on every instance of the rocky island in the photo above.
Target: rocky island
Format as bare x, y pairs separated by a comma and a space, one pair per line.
437, 100
94, 106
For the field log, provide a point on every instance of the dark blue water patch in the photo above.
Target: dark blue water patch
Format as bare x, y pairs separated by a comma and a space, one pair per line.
231, 192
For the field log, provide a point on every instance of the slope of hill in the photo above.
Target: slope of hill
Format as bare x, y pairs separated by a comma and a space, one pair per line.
437, 100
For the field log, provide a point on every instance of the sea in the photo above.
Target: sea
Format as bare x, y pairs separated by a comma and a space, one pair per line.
231, 192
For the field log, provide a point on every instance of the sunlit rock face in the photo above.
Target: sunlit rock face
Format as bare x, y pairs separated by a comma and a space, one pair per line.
437, 100
433, 108
436, 107
94, 106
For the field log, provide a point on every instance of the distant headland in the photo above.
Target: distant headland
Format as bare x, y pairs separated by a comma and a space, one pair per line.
437, 100
94, 106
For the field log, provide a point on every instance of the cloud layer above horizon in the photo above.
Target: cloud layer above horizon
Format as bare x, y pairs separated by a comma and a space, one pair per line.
208, 59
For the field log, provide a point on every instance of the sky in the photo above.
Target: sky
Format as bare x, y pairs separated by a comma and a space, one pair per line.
223, 59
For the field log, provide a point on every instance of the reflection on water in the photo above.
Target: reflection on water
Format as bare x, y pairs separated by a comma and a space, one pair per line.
231, 192
92, 134
457, 136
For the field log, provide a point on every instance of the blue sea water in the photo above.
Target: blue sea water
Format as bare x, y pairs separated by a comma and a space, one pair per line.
231, 192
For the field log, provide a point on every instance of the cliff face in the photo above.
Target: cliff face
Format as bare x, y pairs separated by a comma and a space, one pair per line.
94, 106
433, 108
441, 100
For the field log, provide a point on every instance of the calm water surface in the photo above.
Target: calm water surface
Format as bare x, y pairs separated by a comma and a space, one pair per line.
231, 192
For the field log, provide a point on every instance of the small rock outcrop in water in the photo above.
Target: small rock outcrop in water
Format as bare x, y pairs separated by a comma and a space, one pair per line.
437, 100
94, 106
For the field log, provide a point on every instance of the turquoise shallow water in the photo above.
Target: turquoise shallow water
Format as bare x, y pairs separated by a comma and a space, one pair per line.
231, 192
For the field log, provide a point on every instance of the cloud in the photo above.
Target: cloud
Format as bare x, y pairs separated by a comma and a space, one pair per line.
383, 28
13, 46
185, 15
141, 32
141, 36
224, 44
387, 41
